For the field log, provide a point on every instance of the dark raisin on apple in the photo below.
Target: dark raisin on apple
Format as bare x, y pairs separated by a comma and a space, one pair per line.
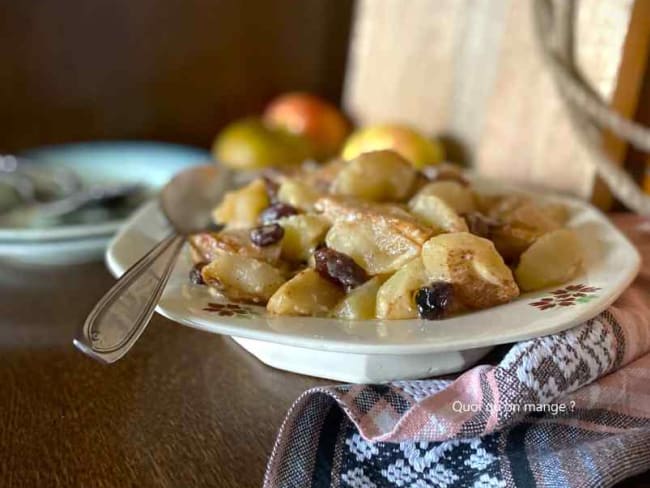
480, 225
277, 211
339, 268
265, 235
434, 301
195, 273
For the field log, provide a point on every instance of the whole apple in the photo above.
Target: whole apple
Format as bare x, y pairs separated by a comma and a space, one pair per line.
320, 122
249, 144
405, 140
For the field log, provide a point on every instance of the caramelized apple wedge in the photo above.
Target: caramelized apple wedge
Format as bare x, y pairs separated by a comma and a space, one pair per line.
243, 278
552, 259
473, 266
207, 245
522, 222
297, 194
395, 297
381, 238
242, 207
390, 216
307, 293
302, 234
378, 176
456, 195
436, 213
360, 303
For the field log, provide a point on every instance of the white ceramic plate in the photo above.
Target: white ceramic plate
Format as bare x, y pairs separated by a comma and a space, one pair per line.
381, 350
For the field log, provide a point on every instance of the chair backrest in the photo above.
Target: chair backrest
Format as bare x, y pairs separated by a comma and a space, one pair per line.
471, 70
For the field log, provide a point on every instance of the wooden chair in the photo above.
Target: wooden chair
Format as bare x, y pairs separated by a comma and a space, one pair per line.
472, 70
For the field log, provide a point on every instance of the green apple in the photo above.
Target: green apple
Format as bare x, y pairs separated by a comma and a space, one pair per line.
248, 144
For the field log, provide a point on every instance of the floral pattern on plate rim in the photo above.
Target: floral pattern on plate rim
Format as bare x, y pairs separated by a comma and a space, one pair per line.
231, 310
568, 296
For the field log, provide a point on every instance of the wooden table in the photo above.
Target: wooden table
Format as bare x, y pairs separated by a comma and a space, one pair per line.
183, 409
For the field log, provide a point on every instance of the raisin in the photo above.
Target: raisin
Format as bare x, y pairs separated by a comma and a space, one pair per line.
276, 212
195, 273
265, 235
480, 225
434, 301
339, 268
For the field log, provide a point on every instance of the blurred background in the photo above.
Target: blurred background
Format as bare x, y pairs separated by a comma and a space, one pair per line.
469, 70
174, 71
467, 78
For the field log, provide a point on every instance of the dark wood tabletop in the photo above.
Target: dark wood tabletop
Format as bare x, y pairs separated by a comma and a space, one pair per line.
184, 409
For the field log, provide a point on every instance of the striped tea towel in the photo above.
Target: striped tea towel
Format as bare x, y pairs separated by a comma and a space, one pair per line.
566, 410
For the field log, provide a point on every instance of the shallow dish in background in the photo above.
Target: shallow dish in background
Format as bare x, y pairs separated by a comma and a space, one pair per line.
151, 164
382, 350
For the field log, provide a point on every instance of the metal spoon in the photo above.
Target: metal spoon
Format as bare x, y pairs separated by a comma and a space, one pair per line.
120, 317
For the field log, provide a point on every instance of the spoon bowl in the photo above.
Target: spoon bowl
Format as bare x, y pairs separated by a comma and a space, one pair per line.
188, 199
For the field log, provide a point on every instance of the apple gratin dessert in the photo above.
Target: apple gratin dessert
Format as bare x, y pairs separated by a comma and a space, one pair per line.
375, 238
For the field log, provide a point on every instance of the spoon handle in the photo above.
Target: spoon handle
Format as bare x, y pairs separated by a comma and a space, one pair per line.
119, 318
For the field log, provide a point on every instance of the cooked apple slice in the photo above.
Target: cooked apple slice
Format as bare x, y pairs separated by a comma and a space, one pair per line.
302, 233
556, 212
458, 196
343, 209
242, 207
360, 303
473, 266
434, 211
395, 297
377, 176
376, 248
242, 278
206, 246
381, 238
307, 293
522, 223
297, 194
551, 260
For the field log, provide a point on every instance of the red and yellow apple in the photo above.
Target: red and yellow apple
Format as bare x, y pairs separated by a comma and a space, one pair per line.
408, 142
320, 122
